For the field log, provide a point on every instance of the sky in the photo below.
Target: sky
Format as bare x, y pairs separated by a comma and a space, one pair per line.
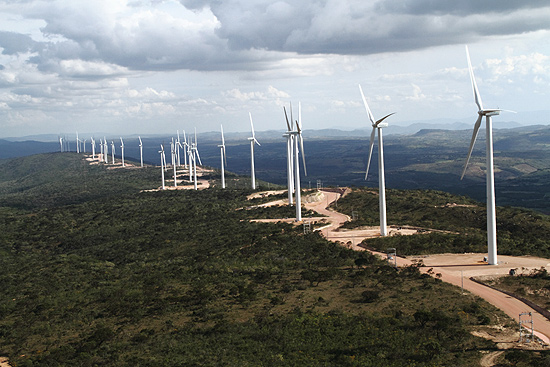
156, 66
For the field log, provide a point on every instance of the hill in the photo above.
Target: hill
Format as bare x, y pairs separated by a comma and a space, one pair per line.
181, 278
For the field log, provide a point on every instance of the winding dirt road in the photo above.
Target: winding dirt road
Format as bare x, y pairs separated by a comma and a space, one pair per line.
453, 268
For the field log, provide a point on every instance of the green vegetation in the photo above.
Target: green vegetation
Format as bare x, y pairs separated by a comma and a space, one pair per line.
120, 277
520, 231
533, 285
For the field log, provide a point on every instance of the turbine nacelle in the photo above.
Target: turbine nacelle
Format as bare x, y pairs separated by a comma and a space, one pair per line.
489, 112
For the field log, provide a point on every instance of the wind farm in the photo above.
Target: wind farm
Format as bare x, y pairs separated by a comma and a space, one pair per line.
207, 245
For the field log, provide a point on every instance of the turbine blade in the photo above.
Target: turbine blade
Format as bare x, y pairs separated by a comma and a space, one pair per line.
199, 157
140, 143
257, 142
252, 126
370, 150
286, 117
474, 85
303, 154
383, 118
369, 113
291, 117
299, 116
223, 140
472, 142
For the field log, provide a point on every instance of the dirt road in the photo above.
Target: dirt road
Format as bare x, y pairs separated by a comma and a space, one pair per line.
454, 268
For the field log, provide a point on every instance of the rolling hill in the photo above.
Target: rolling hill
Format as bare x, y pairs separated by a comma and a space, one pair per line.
114, 276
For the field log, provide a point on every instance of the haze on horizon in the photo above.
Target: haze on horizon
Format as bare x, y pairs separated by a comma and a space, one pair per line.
153, 66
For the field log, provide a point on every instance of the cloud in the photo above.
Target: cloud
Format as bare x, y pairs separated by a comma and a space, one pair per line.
256, 35
14, 43
360, 27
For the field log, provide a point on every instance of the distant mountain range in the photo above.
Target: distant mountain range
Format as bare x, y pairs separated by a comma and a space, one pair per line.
420, 156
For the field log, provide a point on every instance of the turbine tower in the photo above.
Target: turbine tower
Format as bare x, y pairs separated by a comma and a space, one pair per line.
223, 158
298, 139
122, 150
253, 141
92, 142
185, 148
162, 163
77, 143
101, 150
113, 151
105, 150
378, 125
196, 156
289, 155
140, 151
178, 152
491, 207
174, 166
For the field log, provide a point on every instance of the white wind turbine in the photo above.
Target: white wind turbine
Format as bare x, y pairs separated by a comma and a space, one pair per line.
101, 150
378, 125
77, 143
92, 143
162, 164
491, 207
113, 151
84, 145
223, 158
289, 155
174, 167
105, 150
61, 144
190, 153
122, 150
298, 139
140, 151
253, 141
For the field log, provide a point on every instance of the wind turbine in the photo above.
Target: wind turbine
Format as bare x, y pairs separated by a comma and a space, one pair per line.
105, 150
378, 125
92, 143
162, 164
253, 141
223, 158
174, 166
113, 150
61, 144
140, 151
101, 149
190, 153
298, 139
122, 150
77, 143
84, 145
289, 155
491, 207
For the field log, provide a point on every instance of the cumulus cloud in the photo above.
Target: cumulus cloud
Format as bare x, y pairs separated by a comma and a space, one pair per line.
219, 35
